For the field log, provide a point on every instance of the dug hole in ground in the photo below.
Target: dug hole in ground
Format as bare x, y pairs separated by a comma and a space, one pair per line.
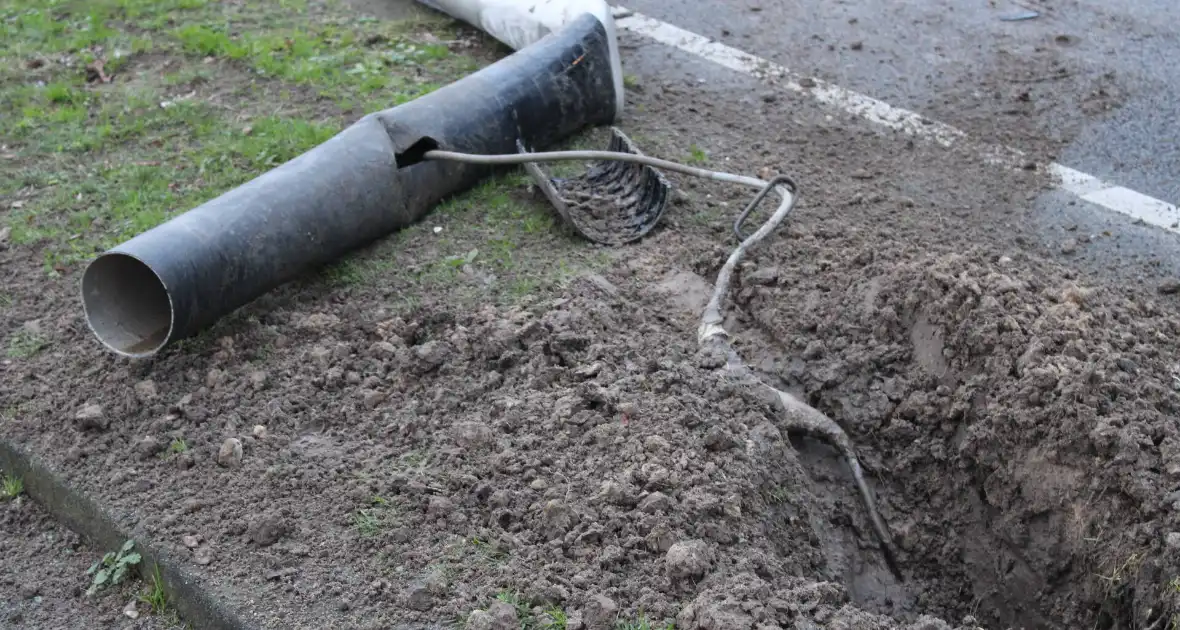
400, 455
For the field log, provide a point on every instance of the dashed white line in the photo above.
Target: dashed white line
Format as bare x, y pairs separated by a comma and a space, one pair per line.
1082, 185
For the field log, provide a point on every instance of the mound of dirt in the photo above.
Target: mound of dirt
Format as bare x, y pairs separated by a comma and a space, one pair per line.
380, 469
1022, 424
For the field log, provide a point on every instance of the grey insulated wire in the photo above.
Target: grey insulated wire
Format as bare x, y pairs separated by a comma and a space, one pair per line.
796, 414
565, 156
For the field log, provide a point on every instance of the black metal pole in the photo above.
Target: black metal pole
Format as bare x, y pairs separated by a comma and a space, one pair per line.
369, 180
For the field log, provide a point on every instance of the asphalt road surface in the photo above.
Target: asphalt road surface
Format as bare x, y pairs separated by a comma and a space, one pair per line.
1087, 84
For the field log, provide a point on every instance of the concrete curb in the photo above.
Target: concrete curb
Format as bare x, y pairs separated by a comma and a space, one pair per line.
78, 512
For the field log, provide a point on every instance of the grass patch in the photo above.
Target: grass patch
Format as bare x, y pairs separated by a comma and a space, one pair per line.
24, 343
641, 623
156, 598
11, 487
366, 522
120, 114
551, 618
370, 521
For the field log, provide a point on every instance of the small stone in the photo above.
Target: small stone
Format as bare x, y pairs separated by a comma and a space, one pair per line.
214, 378
321, 357
500, 499
688, 560
92, 417
230, 454
719, 439
431, 354
203, 555
190, 541
655, 444
436, 581
655, 502
479, 620
1169, 287
503, 616
259, 431
146, 390
29, 591
473, 435
149, 446
372, 398
384, 350
74, 454
857, 45
422, 594
600, 613
1069, 246
558, 516
764, 276
319, 321
1172, 540
439, 506
814, 350
266, 529
130, 611
539, 484
807, 82
258, 379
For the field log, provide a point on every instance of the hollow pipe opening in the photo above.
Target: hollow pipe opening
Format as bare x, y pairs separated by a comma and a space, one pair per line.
126, 304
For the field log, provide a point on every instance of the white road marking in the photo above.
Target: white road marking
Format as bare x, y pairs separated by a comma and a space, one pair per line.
1082, 185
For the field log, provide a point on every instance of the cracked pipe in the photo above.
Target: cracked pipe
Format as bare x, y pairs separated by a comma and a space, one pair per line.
180, 277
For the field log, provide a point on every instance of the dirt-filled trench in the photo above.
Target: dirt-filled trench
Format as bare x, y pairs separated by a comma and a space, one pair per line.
1019, 425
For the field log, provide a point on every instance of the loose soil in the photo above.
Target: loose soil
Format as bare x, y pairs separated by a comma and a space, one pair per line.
406, 456
43, 578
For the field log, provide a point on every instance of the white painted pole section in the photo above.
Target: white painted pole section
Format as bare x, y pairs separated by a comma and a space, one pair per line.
518, 23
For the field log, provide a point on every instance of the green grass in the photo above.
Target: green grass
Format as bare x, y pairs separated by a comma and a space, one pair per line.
523, 611
156, 598
551, 618
366, 522
201, 96
11, 487
23, 344
196, 97
178, 445
640, 623
371, 521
